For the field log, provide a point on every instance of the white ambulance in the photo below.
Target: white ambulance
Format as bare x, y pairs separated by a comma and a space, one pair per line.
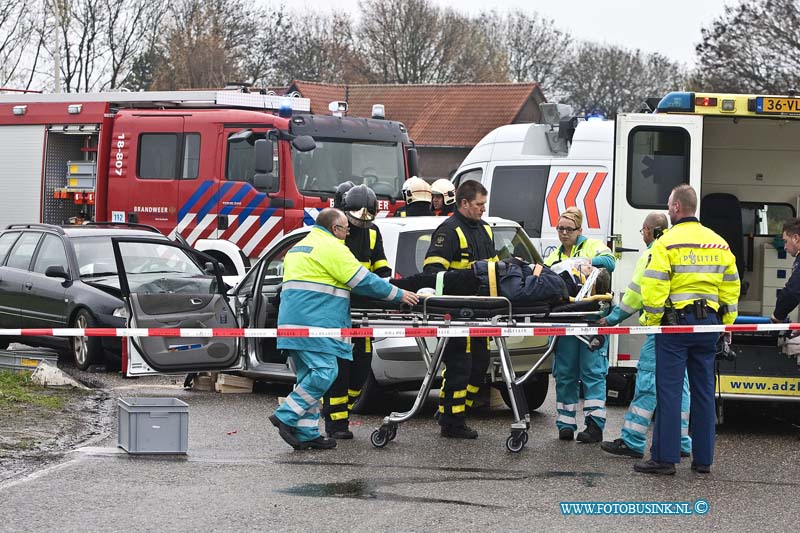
740, 152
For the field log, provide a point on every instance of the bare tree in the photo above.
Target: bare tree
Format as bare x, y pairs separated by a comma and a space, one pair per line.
128, 26
753, 46
535, 49
320, 48
14, 35
610, 79
205, 43
80, 25
413, 41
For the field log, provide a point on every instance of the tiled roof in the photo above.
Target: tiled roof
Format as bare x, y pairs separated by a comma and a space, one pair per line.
435, 115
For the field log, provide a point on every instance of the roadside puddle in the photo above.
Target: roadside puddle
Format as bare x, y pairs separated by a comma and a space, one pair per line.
370, 489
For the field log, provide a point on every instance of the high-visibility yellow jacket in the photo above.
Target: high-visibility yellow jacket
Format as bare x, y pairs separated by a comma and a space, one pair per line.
631, 301
318, 274
688, 263
594, 250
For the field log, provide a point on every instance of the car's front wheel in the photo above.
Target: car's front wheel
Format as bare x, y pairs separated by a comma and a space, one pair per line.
535, 389
375, 398
85, 350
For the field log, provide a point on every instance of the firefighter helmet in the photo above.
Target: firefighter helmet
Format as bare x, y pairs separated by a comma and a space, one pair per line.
446, 188
361, 205
341, 190
416, 190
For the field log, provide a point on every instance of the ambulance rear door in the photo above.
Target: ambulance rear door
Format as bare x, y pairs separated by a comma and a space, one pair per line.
653, 153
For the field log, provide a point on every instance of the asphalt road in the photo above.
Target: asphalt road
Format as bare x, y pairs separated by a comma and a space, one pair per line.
239, 475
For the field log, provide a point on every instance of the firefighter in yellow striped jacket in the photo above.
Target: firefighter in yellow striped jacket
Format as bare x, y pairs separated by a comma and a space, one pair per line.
633, 438
691, 279
459, 241
319, 273
573, 360
365, 242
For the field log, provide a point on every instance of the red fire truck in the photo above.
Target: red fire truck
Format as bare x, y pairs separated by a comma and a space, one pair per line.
228, 171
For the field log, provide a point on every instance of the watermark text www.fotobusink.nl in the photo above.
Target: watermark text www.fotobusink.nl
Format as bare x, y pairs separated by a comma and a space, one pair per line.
697, 507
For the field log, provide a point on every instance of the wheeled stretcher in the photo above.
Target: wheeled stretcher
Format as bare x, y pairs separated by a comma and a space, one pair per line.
445, 312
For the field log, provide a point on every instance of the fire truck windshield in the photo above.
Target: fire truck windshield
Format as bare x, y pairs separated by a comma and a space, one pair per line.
379, 165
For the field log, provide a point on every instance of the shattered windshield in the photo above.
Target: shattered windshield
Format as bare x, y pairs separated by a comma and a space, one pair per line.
379, 165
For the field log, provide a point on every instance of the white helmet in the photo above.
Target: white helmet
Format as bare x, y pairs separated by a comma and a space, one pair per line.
416, 190
446, 188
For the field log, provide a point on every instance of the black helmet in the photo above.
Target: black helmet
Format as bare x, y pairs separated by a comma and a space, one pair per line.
341, 190
361, 205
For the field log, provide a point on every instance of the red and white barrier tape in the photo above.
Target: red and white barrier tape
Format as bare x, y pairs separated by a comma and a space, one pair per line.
397, 332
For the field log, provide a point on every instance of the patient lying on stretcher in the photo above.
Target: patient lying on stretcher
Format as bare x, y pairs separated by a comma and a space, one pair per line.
520, 282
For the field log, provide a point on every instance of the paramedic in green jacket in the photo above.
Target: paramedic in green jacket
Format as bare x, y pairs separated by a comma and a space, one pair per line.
319, 273
643, 406
573, 360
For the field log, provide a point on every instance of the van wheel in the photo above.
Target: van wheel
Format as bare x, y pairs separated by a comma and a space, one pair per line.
374, 399
85, 350
535, 391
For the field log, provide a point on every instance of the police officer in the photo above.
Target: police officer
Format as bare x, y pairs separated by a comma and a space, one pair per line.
443, 197
319, 273
458, 242
637, 419
573, 360
365, 242
417, 195
691, 279
789, 296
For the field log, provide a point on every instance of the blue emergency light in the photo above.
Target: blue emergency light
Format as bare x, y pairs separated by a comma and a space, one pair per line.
676, 102
285, 110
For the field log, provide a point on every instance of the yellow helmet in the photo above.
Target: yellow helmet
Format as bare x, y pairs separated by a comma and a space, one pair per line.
446, 188
416, 190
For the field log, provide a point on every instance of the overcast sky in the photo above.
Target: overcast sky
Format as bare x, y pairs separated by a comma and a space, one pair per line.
671, 27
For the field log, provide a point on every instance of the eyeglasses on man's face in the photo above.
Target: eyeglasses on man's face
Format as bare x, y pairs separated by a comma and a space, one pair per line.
564, 229
346, 228
644, 228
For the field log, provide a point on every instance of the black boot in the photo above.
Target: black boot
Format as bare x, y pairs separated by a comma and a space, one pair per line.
654, 467
618, 447
320, 443
462, 431
592, 433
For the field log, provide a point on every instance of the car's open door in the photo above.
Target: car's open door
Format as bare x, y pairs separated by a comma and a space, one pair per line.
164, 287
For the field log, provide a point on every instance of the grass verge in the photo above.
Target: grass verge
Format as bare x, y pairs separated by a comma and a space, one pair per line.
17, 390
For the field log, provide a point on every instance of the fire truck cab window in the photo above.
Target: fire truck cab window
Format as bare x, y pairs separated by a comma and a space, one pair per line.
379, 165
169, 156
191, 156
241, 165
658, 160
158, 156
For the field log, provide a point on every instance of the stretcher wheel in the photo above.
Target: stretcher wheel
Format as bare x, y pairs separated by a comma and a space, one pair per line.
392, 432
379, 438
525, 438
515, 444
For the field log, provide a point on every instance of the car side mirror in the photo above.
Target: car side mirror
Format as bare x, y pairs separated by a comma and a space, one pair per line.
304, 143
212, 267
56, 271
264, 152
265, 182
413, 161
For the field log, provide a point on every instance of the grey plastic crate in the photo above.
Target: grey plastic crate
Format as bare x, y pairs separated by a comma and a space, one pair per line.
81, 175
153, 425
